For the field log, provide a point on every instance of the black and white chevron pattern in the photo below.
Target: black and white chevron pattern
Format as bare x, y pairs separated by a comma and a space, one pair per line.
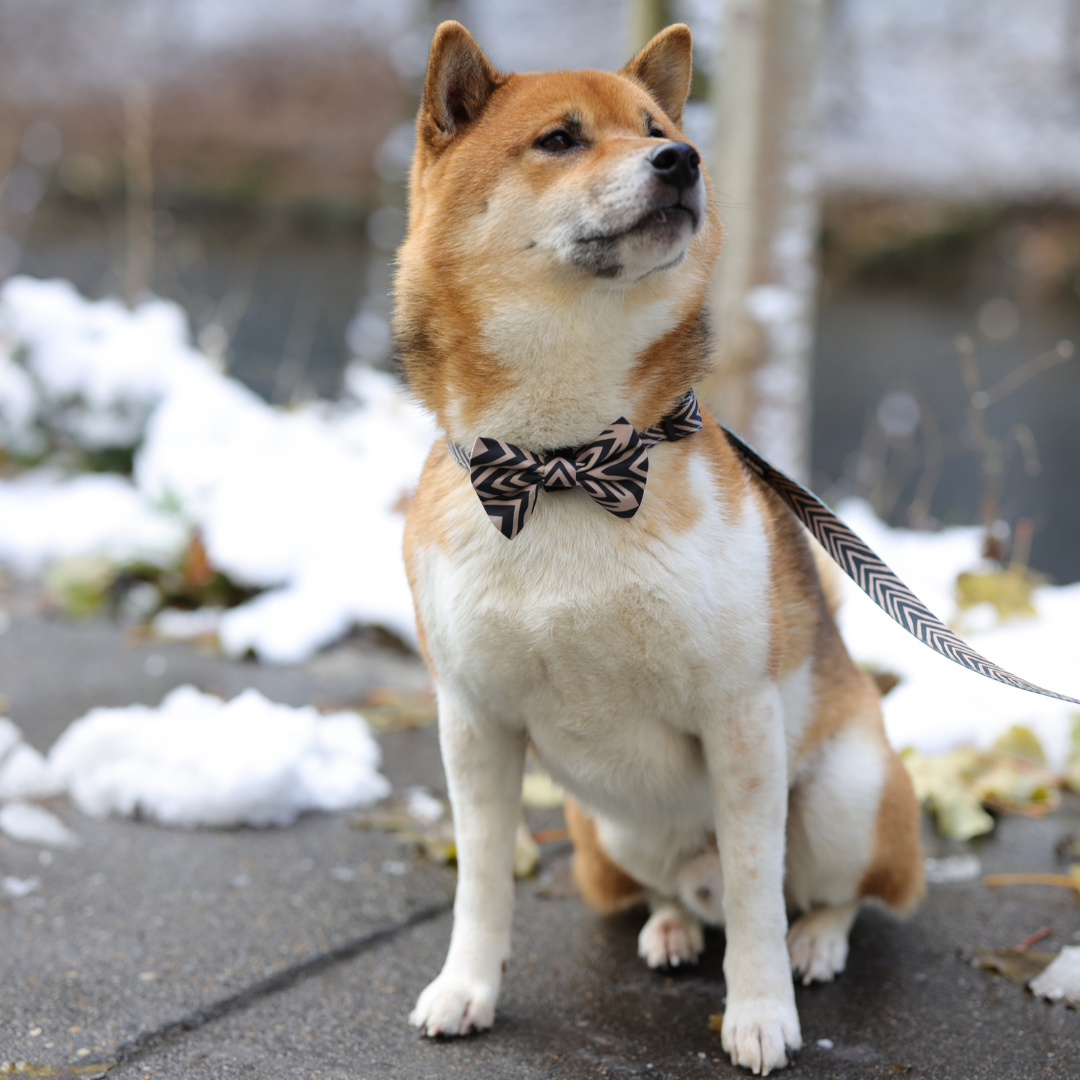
612, 468
875, 578
683, 420
507, 480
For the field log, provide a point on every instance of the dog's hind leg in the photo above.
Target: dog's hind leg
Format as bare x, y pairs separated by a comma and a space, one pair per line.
853, 833
484, 762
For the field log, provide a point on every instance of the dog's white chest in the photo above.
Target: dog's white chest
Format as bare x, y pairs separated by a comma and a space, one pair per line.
606, 640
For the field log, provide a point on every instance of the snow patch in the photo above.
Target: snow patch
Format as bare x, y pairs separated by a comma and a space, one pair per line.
30, 824
198, 760
172, 624
306, 503
19, 887
25, 774
45, 516
10, 736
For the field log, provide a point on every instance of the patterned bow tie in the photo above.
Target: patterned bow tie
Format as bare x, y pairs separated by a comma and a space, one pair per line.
612, 468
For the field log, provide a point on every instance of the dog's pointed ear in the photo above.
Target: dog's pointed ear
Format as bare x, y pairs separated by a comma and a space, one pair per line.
663, 68
458, 84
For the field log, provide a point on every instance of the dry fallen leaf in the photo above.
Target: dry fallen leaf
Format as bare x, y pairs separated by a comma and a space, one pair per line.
79, 584
526, 852
1008, 591
1016, 964
540, 791
1068, 847
958, 785
886, 681
942, 781
1022, 742
397, 815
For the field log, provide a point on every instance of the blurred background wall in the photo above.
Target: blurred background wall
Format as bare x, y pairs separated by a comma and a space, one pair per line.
246, 159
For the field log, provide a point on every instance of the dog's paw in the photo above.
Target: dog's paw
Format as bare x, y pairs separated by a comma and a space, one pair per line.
671, 937
760, 1033
454, 1006
818, 945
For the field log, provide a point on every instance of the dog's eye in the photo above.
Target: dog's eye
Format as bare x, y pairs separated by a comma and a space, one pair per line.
655, 132
557, 142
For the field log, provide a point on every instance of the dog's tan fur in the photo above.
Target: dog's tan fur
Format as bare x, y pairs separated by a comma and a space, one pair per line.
681, 672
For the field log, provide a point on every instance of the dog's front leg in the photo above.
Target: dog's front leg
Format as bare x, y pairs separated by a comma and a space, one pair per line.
483, 762
746, 757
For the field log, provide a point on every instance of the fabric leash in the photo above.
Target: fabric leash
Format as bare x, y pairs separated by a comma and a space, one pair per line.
874, 577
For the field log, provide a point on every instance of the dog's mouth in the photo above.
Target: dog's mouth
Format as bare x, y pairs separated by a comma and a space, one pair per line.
667, 219
663, 222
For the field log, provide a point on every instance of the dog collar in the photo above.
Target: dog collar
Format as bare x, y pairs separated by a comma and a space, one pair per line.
612, 468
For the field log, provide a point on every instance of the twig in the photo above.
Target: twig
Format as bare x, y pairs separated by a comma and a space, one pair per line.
139, 179
1030, 940
1067, 881
983, 399
933, 456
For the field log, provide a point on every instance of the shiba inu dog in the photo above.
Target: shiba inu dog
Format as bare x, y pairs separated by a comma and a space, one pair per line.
677, 668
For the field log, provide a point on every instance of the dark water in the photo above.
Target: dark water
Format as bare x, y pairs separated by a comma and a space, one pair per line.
286, 291
870, 343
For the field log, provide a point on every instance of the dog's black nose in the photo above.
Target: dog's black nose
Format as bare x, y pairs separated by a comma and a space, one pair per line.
677, 163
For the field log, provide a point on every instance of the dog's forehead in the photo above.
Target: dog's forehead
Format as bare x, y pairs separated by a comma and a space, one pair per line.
601, 102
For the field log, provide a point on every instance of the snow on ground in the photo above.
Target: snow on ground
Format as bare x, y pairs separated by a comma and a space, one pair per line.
938, 705
304, 503
45, 516
194, 760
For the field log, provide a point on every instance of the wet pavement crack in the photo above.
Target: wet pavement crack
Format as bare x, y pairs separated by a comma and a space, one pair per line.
147, 1041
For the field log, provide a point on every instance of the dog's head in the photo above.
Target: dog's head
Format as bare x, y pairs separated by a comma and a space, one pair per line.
560, 228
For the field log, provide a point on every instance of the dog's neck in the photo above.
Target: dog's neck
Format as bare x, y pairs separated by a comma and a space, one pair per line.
568, 371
